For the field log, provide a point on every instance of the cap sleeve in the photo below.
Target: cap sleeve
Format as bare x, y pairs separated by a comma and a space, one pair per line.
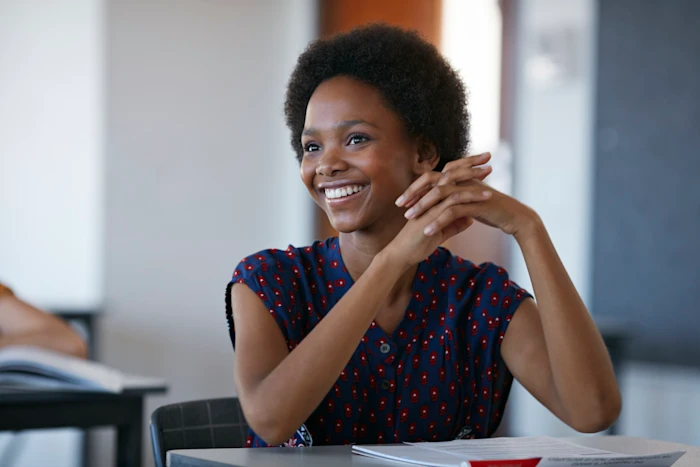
264, 274
495, 301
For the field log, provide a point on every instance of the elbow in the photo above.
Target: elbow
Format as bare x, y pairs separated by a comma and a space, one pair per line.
273, 436
267, 422
600, 415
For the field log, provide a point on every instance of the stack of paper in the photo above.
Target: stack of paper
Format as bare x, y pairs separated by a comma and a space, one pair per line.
34, 369
540, 451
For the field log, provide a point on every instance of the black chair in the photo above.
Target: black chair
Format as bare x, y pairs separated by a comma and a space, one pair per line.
210, 423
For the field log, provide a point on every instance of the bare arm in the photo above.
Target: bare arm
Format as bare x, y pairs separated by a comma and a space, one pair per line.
22, 324
279, 389
556, 351
553, 348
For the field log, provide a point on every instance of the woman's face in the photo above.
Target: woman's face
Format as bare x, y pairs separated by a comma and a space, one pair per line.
357, 158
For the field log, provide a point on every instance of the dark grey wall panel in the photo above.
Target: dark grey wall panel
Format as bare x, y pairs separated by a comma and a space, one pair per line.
646, 240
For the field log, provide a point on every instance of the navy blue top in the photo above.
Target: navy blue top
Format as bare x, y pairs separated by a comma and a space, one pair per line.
439, 376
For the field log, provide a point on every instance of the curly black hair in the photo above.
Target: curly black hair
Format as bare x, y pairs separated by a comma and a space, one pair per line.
414, 78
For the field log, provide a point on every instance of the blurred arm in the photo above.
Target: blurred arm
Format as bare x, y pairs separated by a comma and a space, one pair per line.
22, 324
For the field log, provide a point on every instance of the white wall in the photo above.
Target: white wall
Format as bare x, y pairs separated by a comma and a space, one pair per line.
51, 151
51, 183
199, 174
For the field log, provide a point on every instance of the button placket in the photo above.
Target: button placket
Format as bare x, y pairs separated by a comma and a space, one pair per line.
387, 351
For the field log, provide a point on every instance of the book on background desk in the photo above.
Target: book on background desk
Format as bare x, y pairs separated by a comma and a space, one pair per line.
537, 451
24, 368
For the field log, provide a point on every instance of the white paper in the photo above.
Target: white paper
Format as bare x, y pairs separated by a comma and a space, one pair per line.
408, 454
513, 448
23, 361
553, 452
653, 460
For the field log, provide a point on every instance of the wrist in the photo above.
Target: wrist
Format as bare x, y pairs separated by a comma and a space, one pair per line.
391, 261
530, 225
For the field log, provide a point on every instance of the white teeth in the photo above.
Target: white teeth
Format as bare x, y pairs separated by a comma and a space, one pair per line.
335, 193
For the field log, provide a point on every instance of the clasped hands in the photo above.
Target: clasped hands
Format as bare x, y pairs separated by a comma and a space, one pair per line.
442, 204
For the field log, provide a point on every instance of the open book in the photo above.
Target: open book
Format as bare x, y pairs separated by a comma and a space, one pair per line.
539, 451
34, 369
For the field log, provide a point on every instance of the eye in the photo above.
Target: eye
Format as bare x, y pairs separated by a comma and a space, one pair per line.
311, 147
357, 139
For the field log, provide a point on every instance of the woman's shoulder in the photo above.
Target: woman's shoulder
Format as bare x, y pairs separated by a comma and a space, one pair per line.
473, 276
291, 261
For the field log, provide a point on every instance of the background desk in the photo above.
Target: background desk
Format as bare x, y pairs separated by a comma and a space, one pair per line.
22, 410
341, 456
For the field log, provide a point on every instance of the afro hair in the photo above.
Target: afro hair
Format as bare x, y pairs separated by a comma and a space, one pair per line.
413, 77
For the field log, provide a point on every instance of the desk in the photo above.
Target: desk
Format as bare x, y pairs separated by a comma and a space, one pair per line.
25, 410
341, 456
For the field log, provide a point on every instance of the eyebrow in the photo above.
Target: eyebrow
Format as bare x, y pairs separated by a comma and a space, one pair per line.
339, 125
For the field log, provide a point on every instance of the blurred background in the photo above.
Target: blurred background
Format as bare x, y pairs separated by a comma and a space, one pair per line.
143, 153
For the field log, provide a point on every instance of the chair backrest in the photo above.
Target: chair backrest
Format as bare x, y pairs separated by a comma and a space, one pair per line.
209, 423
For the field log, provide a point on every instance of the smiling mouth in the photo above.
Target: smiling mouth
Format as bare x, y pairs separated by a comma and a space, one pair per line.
342, 192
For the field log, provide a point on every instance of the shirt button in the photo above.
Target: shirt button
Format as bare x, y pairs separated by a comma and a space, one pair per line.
386, 384
385, 348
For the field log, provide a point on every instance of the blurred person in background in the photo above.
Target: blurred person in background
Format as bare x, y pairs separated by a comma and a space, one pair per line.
380, 335
23, 324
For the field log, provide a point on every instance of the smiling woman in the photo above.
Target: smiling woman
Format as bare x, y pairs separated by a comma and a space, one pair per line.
380, 335
351, 138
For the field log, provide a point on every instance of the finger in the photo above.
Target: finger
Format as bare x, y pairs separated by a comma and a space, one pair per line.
425, 181
424, 191
430, 199
462, 174
451, 214
430, 179
470, 161
450, 194
418, 196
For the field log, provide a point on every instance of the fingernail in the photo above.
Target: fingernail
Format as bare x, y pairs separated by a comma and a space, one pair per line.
400, 200
486, 193
429, 230
409, 214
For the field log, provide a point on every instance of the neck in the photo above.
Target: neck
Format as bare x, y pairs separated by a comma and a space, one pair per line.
359, 248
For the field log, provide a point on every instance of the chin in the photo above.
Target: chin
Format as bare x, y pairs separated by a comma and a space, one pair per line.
348, 222
345, 226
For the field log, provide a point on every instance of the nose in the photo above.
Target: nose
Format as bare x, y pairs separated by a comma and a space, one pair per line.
331, 163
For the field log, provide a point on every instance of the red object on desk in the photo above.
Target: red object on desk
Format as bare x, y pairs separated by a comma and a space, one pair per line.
507, 463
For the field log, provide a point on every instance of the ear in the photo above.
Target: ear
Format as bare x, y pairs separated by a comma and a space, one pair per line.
427, 157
